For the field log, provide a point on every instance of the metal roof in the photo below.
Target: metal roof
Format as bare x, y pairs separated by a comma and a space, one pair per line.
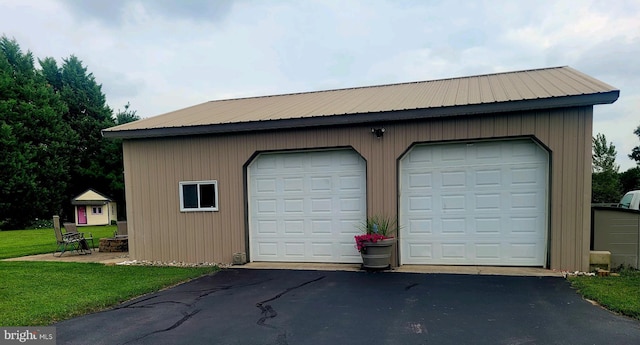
501, 92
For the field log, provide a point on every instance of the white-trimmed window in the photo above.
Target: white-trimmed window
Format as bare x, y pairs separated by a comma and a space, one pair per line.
96, 210
198, 196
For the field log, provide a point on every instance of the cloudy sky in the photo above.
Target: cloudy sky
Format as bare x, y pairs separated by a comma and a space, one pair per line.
163, 55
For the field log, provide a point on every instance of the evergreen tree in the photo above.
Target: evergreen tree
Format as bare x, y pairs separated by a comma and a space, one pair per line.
97, 162
126, 115
34, 139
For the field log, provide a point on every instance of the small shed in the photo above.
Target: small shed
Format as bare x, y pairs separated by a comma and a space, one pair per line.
94, 208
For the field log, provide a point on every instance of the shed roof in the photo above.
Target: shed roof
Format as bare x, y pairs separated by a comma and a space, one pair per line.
90, 197
501, 92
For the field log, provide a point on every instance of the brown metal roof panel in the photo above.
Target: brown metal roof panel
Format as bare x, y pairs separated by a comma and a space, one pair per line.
439, 93
507, 82
484, 89
543, 82
586, 83
527, 87
421, 95
474, 96
462, 93
565, 83
497, 89
450, 90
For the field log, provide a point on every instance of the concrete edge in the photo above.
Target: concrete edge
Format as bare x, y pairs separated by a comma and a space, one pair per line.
425, 269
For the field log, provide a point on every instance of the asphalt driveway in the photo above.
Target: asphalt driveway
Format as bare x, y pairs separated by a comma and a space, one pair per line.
242, 306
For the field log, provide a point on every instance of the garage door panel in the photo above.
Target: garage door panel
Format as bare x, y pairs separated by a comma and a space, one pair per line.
267, 227
486, 202
268, 249
488, 178
349, 227
454, 226
487, 225
487, 251
420, 226
351, 205
476, 210
350, 183
293, 226
420, 251
290, 185
322, 249
306, 206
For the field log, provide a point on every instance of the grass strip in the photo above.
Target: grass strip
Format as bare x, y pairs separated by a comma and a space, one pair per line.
17, 243
41, 293
620, 294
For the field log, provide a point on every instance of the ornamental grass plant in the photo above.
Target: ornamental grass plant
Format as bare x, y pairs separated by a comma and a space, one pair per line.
376, 228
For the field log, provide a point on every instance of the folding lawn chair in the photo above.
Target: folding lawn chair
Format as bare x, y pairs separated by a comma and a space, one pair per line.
65, 241
70, 228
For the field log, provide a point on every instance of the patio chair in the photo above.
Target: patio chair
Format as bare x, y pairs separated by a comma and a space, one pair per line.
121, 232
71, 228
65, 241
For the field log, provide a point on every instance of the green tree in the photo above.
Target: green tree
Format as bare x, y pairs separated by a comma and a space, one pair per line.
630, 179
34, 139
604, 155
605, 183
635, 152
126, 115
96, 162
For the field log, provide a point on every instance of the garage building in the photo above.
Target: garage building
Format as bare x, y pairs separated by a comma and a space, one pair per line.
482, 170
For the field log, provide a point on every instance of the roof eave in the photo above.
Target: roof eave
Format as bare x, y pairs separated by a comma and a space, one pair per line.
351, 119
89, 202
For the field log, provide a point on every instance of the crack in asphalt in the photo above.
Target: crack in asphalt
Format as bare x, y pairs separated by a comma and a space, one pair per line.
131, 305
410, 286
267, 310
202, 294
186, 316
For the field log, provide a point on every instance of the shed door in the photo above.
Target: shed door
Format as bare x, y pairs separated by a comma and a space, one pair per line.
306, 206
82, 214
481, 203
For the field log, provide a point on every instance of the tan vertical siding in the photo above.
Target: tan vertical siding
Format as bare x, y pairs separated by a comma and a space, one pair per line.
154, 167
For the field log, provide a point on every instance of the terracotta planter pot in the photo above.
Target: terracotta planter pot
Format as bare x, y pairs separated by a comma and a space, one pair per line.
377, 255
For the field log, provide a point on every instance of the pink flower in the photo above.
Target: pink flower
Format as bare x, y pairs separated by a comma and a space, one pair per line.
362, 239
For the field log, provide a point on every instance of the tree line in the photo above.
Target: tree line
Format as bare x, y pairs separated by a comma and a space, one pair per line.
51, 147
608, 184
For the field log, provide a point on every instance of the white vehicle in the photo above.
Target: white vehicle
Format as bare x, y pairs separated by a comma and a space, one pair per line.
631, 200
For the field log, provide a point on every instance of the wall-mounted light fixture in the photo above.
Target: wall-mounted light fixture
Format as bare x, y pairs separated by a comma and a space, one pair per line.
378, 132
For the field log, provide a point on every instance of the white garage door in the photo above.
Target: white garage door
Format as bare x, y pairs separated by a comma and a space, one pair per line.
306, 206
481, 203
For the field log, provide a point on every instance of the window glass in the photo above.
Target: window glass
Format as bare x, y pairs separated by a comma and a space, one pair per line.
626, 200
207, 195
190, 196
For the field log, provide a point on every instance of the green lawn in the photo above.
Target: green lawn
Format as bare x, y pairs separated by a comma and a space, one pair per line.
620, 294
17, 243
37, 293
41, 293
